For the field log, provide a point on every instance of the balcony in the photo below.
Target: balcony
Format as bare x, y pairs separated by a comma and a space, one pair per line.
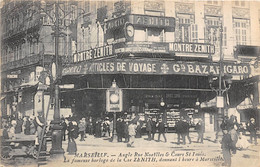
22, 62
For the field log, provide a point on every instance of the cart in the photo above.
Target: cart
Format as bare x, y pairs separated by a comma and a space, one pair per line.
20, 145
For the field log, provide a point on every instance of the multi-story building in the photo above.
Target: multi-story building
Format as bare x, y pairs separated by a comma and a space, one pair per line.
156, 51
27, 53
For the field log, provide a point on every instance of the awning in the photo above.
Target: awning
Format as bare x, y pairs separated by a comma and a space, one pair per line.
211, 103
246, 104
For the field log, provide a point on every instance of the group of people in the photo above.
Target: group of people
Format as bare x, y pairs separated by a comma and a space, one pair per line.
234, 138
22, 125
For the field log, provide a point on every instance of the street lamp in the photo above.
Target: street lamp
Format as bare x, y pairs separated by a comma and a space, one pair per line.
220, 90
57, 150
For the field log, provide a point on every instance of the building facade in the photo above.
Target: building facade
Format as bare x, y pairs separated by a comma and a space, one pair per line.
156, 51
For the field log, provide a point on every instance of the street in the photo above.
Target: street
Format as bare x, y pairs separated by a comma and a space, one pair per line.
101, 152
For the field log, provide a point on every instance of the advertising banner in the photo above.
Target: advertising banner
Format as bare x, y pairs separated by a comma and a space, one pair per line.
154, 67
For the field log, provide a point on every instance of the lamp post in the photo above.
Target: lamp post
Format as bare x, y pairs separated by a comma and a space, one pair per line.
57, 150
222, 78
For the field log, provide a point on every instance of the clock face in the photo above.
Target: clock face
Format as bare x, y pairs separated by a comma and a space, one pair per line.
130, 30
114, 98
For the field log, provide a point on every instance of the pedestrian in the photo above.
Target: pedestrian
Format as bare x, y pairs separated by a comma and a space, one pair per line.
226, 146
27, 126
132, 132
107, 122
63, 130
19, 125
180, 131
5, 133
200, 130
251, 127
153, 127
149, 128
119, 129
11, 131
161, 129
139, 129
85, 126
98, 128
73, 134
186, 129
224, 124
234, 136
32, 126
81, 130
126, 131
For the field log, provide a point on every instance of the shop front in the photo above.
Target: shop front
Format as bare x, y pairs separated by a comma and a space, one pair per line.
151, 88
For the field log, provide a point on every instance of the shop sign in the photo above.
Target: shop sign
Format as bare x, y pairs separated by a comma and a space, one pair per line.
95, 53
152, 21
200, 48
141, 20
12, 76
155, 67
143, 47
115, 23
157, 47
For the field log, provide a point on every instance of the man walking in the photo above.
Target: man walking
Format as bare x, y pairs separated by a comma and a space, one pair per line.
200, 131
180, 131
161, 129
251, 126
226, 146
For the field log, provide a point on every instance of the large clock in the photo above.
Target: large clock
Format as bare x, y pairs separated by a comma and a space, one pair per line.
114, 98
130, 31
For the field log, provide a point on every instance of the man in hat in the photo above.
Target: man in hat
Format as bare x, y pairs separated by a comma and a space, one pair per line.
149, 128
227, 146
251, 126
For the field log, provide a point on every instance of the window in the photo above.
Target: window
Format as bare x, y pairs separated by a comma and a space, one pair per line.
194, 33
185, 30
241, 27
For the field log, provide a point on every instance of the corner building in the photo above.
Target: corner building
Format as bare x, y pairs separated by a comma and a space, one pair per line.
162, 54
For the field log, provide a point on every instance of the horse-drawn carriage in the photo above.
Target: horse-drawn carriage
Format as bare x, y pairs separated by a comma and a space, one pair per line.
19, 145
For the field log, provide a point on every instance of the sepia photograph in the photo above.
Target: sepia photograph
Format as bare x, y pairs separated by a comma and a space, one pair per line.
138, 83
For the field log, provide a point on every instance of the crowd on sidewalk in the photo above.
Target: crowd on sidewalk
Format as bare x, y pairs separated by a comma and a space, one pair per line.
129, 129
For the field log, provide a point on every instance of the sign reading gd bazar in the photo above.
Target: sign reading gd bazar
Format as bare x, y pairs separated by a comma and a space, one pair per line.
154, 67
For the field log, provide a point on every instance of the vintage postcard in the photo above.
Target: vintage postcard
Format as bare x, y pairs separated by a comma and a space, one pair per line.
142, 83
